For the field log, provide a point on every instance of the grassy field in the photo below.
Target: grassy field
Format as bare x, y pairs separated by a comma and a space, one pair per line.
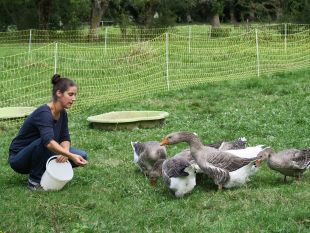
111, 195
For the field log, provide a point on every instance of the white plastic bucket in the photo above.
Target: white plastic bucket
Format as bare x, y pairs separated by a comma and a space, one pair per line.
56, 174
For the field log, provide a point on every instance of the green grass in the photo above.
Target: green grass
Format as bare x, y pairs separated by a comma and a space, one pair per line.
111, 195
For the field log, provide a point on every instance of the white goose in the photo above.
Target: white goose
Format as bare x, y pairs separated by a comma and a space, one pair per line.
146, 154
178, 173
215, 163
224, 178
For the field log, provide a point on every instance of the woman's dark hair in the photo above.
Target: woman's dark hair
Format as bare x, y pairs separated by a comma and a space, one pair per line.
62, 84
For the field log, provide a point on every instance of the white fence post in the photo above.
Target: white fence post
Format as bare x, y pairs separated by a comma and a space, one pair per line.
210, 31
55, 58
167, 61
189, 39
105, 39
257, 53
285, 38
29, 44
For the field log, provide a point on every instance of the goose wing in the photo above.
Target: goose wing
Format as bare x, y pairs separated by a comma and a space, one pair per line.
219, 175
175, 167
301, 159
226, 160
138, 147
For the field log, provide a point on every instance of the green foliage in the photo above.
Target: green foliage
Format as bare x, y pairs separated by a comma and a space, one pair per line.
214, 6
72, 14
67, 14
300, 11
21, 14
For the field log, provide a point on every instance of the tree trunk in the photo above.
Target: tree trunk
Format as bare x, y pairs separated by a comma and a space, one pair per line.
98, 9
148, 16
232, 12
279, 7
215, 21
44, 12
279, 14
150, 9
252, 16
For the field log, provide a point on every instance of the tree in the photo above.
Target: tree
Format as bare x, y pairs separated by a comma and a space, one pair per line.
262, 10
44, 9
20, 13
214, 8
298, 11
142, 11
98, 8
71, 14
44, 14
305, 13
182, 11
232, 11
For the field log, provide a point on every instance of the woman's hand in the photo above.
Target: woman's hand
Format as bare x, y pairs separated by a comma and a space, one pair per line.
61, 159
79, 160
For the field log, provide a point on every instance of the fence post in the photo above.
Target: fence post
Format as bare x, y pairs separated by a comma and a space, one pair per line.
105, 39
189, 39
167, 61
55, 57
210, 31
257, 53
29, 44
285, 38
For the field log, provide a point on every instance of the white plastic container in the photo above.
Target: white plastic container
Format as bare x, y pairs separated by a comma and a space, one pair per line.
56, 174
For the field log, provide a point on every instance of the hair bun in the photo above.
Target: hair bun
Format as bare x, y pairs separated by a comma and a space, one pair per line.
55, 79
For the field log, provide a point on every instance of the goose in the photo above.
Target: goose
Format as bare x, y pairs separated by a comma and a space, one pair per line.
248, 152
178, 173
230, 145
224, 178
238, 177
207, 157
147, 153
289, 162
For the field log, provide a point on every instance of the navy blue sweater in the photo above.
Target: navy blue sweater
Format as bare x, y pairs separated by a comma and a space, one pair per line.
40, 124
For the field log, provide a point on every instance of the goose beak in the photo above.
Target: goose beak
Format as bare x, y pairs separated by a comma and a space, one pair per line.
258, 162
164, 142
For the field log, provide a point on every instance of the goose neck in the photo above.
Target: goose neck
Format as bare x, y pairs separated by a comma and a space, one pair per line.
195, 144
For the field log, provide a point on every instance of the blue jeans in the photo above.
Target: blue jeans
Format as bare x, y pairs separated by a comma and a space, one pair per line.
32, 159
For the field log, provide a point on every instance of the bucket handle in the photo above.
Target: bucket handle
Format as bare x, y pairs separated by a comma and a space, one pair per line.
53, 157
